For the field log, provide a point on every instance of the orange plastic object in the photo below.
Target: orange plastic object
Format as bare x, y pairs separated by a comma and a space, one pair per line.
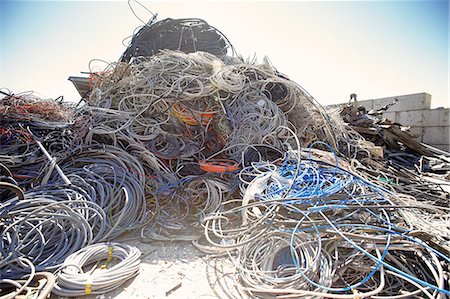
219, 165
191, 117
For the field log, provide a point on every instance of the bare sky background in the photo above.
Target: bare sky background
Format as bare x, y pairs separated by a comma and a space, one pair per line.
331, 48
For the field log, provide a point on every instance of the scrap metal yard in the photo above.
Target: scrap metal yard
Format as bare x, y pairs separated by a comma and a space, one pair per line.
186, 171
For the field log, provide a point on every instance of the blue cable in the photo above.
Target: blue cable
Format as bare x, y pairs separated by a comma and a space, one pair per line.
312, 186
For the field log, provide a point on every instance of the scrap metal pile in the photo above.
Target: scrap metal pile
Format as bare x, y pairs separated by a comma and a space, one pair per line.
228, 154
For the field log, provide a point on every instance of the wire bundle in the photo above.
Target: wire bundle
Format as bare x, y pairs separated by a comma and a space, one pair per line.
183, 205
120, 263
309, 229
186, 35
46, 231
114, 180
25, 117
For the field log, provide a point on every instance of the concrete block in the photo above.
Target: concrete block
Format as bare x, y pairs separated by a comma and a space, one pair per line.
435, 135
417, 101
410, 118
417, 133
390, 115
436, 117
368, 104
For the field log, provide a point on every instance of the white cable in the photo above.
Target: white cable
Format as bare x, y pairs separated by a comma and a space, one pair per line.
106, 275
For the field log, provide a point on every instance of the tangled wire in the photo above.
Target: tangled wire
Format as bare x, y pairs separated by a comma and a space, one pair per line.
186, 35
195, 145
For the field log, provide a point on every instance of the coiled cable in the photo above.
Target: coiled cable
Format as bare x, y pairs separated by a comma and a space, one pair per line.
119, 262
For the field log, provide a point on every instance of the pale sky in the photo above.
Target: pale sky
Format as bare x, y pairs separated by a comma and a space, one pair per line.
331, 48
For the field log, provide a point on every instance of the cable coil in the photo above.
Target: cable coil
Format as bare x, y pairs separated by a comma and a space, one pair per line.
73, 280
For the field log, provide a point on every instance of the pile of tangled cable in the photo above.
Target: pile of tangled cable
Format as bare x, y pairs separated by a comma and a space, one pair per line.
228, 154
306, 228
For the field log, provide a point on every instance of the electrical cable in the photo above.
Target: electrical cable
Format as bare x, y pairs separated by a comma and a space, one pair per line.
81, 275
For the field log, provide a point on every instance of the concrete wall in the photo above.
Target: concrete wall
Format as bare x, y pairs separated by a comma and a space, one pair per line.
429, 126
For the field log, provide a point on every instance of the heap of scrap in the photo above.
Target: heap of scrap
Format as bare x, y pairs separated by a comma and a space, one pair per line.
183, 140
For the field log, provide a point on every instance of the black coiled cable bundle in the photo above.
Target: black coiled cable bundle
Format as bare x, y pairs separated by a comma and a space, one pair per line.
186, 35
